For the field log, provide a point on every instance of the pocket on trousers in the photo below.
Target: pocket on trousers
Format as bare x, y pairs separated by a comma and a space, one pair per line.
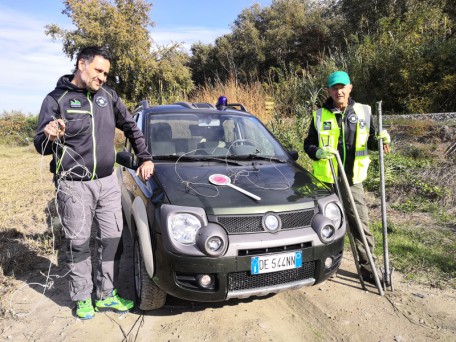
74, 217
80, 288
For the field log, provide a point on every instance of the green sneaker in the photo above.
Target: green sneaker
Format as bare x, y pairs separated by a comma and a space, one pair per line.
114, 303
84, 309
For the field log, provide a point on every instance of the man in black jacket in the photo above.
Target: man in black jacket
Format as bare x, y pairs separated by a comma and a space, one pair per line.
76, 125
346, 126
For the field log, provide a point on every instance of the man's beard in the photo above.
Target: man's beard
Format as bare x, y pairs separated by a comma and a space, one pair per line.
89, 82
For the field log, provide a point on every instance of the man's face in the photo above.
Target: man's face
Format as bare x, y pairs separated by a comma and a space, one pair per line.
340, 94
95, 73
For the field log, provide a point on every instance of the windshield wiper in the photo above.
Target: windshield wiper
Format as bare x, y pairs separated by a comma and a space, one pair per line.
219, 160
195, 158
256, 157
172, 157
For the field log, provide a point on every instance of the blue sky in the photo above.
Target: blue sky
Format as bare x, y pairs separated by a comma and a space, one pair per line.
32, 63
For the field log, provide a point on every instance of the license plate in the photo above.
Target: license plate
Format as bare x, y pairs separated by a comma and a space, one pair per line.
275, 262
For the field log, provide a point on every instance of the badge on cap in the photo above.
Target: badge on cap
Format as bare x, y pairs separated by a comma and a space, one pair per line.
101, 101
352, 118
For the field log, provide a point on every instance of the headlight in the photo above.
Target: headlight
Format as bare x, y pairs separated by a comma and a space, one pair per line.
212, 240
327, 232
333, 212
183, 228
214, 244
324, 227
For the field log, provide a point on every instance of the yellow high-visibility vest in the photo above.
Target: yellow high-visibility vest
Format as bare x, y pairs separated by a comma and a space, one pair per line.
328, 135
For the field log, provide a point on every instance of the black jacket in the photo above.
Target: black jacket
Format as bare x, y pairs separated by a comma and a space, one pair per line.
87, 148
346, 147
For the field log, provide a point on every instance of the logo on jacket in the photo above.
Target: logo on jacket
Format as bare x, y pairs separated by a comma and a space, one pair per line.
101, 101
352, 118
75, 103
327, 125
362, 123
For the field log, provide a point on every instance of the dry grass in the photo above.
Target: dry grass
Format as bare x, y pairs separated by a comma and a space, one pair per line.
252, 96
26, 190
26, 197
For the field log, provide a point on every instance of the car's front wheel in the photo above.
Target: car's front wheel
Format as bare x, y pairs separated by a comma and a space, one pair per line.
148, 295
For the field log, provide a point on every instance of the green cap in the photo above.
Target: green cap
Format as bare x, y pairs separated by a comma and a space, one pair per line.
338, 77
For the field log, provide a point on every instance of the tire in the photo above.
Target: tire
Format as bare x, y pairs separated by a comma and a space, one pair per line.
148, 295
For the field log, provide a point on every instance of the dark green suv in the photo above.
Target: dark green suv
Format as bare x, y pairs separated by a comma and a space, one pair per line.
228, 213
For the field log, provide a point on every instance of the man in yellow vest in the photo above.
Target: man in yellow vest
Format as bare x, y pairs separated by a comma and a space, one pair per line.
348, 127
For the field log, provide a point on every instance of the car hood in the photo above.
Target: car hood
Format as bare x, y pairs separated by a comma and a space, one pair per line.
278, 185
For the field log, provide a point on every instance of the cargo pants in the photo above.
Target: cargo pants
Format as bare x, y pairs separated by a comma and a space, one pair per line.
358, 197
81, 204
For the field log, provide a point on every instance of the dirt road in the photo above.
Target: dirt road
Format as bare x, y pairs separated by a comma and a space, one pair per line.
337, 310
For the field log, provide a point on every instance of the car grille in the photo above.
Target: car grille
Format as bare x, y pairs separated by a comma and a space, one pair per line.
259, 251
246, 281
252, 223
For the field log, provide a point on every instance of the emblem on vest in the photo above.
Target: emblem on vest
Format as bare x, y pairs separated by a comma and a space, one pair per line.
362, 123
352, 118
101, 101
75, 103
327, 125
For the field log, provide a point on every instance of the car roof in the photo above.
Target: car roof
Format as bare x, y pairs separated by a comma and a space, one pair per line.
187, 107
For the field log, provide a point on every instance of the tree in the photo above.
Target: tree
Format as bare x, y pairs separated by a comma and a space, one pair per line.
174, 77
122, 27
290, 33
201, 62
409, 62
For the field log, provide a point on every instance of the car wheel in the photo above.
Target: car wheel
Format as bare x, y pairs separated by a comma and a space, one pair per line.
148, 295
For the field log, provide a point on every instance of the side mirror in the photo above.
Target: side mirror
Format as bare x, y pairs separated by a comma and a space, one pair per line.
126, 159
293, 154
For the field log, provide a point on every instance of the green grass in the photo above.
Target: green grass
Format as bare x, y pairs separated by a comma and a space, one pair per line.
420, 192
422, 254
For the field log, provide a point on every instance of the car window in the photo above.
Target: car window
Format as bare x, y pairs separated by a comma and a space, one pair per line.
127, 144
202, 134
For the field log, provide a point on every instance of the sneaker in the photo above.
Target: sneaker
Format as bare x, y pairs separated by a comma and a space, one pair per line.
114, 303
84, 309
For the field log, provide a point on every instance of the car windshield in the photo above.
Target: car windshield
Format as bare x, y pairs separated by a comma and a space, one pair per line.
224, 135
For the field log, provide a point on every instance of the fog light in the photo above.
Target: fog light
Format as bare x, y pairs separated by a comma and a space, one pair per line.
328, 262
214, 244
206, 281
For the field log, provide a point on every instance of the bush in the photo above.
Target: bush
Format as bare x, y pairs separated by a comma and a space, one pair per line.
17, 129
291, 134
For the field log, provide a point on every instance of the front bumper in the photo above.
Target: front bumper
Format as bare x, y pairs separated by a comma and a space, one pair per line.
175, 273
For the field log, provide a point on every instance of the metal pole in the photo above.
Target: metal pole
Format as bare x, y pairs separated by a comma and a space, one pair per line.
387, 277
350, 236
358, 223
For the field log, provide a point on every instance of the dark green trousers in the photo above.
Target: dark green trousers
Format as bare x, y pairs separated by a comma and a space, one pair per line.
358, 196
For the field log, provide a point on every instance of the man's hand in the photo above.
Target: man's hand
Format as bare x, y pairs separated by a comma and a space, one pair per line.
326, 152
386, 139
55, 129
145, 170
384, 135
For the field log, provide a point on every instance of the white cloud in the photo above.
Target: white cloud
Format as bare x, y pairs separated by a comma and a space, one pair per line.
31, 62
186, 35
